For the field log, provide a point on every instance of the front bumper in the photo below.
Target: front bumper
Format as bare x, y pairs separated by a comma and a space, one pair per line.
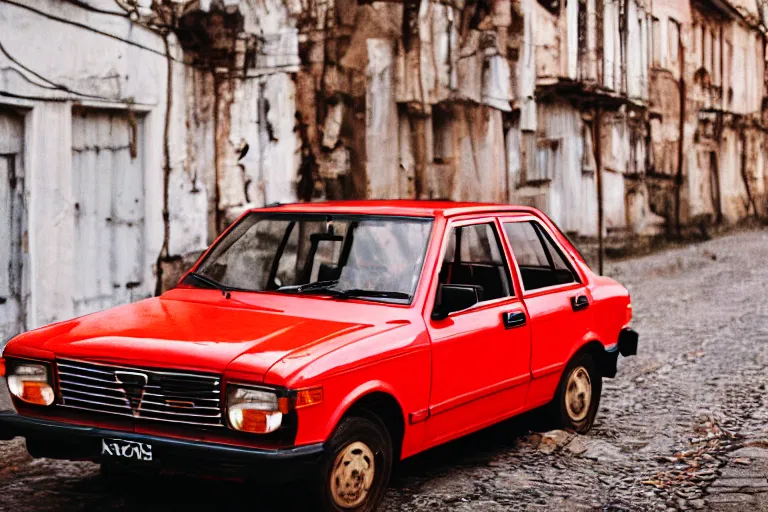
57, 440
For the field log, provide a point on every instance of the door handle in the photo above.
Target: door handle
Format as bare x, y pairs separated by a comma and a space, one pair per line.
513, 319
579, 302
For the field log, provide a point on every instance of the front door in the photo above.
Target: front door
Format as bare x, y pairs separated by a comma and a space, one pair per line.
12, 226
557, 302
480, 366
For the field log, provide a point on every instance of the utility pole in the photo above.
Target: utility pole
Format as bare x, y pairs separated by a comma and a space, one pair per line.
597, 145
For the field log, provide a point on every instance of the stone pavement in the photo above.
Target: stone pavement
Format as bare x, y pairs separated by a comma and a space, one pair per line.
742, 483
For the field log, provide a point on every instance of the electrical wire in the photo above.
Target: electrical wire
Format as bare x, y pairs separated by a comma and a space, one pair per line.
25, 68
126, 13
51, 84
91, 29
27, 97
80, 3
52, 88
89, 7
27, 79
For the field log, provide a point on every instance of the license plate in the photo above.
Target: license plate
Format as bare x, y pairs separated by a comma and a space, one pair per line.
126, 449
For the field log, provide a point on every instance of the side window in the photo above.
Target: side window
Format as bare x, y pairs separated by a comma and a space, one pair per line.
473, 256
541, 262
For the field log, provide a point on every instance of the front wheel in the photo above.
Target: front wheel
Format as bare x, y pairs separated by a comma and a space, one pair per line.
578, 395
356, 468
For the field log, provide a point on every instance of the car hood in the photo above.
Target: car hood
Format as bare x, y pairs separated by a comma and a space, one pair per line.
202, 331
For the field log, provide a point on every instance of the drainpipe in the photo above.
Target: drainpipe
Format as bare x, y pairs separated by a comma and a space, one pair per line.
597, 144
419, 140
681, 144
164, 251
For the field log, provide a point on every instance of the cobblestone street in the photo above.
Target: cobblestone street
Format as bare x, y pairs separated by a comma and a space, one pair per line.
684, 426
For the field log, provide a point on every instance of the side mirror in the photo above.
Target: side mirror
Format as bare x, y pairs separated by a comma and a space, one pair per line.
455, 297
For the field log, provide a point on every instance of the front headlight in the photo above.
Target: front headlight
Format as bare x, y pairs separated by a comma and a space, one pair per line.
252, 410
29, 382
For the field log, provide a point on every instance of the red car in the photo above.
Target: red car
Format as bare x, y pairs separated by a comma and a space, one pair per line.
327, 341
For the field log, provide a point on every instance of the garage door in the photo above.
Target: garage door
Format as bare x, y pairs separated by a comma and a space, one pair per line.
108, 177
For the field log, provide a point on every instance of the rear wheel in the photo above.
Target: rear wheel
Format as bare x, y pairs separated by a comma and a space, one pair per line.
578, 395
356, 469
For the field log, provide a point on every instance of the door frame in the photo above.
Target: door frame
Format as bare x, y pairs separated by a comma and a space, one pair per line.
23, 109
514, 277
506, 219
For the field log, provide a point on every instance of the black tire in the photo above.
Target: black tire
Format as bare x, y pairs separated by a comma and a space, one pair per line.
369, 430
578, 415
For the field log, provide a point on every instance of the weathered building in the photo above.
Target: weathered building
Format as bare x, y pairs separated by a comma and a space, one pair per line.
707, 103
133, 131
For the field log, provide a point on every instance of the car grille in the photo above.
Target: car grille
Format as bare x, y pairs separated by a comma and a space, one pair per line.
161, 395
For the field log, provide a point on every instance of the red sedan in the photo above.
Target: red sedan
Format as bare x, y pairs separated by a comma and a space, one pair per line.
326, 341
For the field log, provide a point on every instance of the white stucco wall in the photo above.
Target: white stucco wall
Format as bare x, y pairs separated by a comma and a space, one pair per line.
123, 77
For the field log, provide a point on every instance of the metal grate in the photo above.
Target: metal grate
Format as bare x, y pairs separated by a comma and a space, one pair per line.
161, 395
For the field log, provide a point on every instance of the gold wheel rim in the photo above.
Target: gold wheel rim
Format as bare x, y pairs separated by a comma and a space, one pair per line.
352, 475
578, 394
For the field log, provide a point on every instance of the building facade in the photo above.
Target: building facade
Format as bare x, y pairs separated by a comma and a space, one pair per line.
133, 131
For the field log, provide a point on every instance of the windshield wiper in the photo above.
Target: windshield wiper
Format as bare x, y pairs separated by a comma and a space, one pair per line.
374, 294
211, 283
316, 286
326, 288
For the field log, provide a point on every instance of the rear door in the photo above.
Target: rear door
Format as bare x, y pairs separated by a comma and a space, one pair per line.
557, 300
480, 367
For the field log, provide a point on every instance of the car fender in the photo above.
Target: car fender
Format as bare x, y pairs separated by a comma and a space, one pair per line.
589, 337
355, 395
607, 356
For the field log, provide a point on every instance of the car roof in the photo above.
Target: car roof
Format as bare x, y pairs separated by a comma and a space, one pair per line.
399, 207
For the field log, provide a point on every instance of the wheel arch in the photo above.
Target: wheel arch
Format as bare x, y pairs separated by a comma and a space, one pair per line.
379, 399
605, 359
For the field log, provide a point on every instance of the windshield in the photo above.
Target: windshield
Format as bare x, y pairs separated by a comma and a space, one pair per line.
364, 256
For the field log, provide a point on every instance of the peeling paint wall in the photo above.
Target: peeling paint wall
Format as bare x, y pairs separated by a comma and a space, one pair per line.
717, 176
421, 99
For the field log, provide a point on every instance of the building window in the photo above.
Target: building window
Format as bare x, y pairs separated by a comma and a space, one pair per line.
673, 41
728, 72
716, 53
546, 156
588, 162
656, 42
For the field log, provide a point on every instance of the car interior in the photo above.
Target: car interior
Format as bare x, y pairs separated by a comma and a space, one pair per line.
535, 278
541, 263
473, 260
